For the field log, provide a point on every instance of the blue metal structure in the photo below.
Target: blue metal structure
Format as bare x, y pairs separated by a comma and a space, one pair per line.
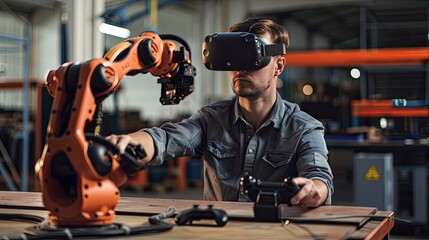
25, 41
118, 15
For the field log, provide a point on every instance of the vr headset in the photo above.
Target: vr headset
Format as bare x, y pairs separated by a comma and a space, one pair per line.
238, 51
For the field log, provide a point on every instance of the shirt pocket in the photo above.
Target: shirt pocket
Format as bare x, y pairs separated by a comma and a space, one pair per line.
277, 159
223, 158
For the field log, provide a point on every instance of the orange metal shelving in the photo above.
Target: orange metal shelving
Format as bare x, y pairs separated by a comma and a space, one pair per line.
358, 57
385, 108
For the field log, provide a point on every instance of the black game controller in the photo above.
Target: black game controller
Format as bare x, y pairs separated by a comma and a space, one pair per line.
196, 213
284, 191
267, 196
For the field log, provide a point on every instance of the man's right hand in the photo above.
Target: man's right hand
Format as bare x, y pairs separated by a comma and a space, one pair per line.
134, 139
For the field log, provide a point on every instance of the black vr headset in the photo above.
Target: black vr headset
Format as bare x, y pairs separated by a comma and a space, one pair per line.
238, 51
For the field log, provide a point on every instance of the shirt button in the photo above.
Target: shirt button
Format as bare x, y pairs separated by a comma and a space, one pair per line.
250, 150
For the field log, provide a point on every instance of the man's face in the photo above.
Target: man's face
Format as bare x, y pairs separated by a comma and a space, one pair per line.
253, 84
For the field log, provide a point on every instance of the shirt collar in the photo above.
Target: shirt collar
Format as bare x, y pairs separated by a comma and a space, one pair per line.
275, 118
277, 113
237, 112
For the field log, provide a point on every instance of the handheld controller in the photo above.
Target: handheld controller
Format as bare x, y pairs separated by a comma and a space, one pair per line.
252, 187
267, 196
197, 213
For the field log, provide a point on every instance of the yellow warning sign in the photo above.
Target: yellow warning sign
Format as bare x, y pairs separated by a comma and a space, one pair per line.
372, 174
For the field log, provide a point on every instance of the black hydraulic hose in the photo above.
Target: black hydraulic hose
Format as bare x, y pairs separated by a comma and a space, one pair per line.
178, 39
43, 230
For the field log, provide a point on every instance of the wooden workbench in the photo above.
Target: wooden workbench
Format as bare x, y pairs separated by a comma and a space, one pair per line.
304, 223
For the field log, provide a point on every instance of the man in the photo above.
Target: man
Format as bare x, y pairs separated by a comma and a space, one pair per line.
255, 133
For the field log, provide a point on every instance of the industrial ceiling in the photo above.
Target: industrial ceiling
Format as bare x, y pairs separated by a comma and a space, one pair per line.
358, 24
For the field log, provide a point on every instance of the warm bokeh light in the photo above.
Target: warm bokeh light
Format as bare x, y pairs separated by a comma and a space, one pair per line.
307, 89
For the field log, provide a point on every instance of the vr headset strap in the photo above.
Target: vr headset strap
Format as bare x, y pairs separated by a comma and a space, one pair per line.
273, 49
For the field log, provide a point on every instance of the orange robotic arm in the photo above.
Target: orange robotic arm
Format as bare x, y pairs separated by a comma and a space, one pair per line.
80, 172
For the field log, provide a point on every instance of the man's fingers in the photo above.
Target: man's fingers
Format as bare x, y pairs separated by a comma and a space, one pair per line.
297, 199
300, 181
112, 138
308, 196
121, 141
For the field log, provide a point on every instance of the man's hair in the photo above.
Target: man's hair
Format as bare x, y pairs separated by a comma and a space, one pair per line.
259, 26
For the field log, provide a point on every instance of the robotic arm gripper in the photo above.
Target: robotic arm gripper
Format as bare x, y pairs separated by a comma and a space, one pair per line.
80, 172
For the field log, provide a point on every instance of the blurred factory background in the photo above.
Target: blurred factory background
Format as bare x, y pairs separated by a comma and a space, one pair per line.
360, 67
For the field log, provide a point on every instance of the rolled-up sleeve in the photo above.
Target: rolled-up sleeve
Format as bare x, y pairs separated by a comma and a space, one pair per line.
172, 140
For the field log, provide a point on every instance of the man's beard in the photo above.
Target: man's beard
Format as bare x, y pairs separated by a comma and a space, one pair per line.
251, 92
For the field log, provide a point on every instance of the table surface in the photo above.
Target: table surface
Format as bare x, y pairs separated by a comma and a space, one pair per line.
326, 222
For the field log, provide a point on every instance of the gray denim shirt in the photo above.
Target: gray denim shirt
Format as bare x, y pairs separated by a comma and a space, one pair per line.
289, 144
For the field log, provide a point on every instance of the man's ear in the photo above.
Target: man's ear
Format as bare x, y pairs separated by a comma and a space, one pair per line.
280, 65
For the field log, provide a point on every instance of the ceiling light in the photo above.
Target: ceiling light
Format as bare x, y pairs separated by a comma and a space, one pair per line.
114, 30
